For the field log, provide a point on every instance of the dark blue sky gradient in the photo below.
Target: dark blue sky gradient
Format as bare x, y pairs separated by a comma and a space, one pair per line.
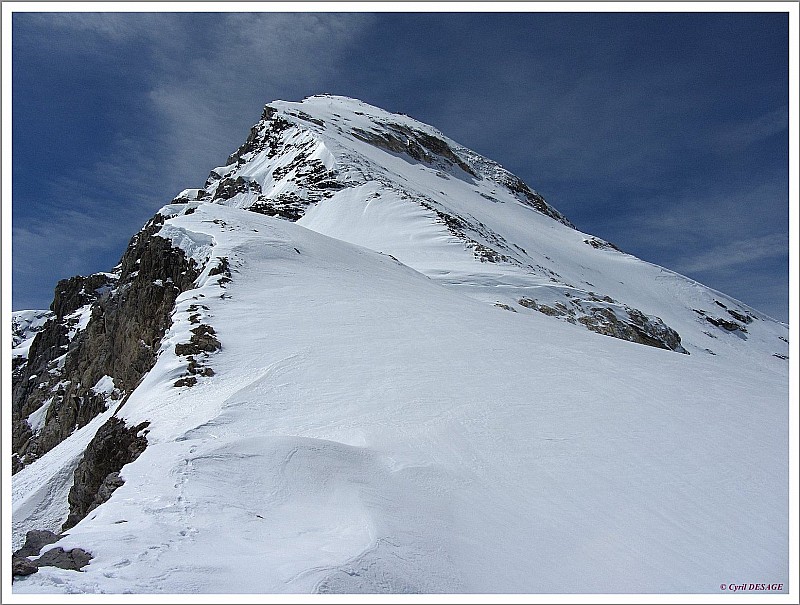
666, 134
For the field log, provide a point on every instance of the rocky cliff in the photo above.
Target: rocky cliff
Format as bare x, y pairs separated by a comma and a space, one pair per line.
103, 336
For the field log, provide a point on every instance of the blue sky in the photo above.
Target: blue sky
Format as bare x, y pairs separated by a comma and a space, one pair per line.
666, 134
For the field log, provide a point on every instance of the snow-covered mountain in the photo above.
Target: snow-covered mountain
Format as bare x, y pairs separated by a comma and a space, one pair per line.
363, 358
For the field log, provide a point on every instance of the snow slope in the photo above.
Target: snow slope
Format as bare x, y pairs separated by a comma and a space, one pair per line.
377, 423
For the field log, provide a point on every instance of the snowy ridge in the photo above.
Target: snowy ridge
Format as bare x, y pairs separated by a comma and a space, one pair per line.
196, 246
400, 389
388, 182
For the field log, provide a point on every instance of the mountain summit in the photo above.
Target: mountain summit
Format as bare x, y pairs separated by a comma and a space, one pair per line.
364, 358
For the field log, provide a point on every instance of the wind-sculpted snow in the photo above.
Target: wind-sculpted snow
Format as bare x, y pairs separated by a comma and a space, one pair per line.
196, 246
378, 431
331, 161
409, 386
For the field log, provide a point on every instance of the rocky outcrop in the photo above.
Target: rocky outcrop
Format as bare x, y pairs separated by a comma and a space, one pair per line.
73, 293
35, 540
257, 139
21, 566
413, 143
634, 326
128, 314
24, 327
41, 380
531, 198
228, 187
604, 315
73, 559
202, 343
286, 206
264, 135
97, 475
601, 244
311, 179
727, 325
203, 339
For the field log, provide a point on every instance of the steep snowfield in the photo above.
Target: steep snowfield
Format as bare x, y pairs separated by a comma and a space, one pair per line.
435, 217
376, 423
375, 431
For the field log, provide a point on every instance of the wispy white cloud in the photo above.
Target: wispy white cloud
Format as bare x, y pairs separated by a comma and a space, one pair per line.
90, 216
730, 236
742, 134
110, 26
721, 210
206, 76
208, 101
572, 110
66, 243
736, 253
206, 80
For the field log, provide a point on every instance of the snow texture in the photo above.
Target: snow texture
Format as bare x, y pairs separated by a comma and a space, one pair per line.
378, 421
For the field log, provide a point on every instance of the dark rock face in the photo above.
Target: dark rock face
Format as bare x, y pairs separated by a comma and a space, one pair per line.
530, 198
203, 340
193, 195
41, 378
309, 174
73, 559
20, 566
726, 324
272, 125
223, 268
24, 328
97, 475
304, 116
202, 343
418, 145
639, 328
229, 187
286, 206
465, 230
75, 292
743, 317
35, 540
255, 140
596, 242
626, 323
129, 315
70, 559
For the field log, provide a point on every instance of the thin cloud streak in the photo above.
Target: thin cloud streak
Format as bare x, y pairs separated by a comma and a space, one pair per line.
741, 135
193, 123
736, 254
262, 54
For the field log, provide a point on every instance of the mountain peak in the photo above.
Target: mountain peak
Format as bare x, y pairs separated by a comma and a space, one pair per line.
359, 354
300, 153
